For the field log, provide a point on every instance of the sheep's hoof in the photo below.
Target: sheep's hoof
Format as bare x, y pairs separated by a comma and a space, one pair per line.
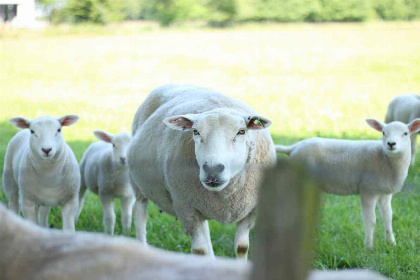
242, 251
199, 252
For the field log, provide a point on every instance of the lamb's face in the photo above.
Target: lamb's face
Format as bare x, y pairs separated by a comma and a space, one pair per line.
46, 139
395, 135
396, 138
120, 143
222, 143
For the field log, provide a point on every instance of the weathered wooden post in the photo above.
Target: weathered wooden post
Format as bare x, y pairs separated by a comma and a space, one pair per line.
286, 222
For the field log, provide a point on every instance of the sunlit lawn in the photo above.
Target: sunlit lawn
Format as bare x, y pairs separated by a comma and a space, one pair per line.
310, 80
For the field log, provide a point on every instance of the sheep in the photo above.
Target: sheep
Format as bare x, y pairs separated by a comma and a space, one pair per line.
199, 155
405, 108
41, 170
32, 252
375, 169
104, 171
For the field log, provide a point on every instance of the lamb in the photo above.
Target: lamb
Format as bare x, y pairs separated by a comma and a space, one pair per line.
75, 256
375, 169
199, 155
41, 168
104, 171
405, 108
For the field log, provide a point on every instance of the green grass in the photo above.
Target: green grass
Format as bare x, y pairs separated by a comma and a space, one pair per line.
311, 80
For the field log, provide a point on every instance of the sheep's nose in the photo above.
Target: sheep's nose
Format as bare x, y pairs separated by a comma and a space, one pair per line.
391, 144
46, 151
218, 168
123, 160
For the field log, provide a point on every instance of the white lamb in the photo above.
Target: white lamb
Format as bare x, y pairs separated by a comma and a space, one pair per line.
43, 169
405, 108
375, 169
104, 172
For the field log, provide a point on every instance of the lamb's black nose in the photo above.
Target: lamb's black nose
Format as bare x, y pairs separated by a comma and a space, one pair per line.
46, 151
391, 144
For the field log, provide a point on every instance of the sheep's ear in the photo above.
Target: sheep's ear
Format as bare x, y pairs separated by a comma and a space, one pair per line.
414, 126
257, 122
181, 122
20, 122
68, 120
375, 124
102, 135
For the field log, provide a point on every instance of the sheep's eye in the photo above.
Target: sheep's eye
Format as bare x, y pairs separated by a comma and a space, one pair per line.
113, 145
33, 132
405, 134
241, 132
195, 131
383, 133
59, 130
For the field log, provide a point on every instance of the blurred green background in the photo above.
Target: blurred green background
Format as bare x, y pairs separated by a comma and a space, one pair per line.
309, 79
225, 12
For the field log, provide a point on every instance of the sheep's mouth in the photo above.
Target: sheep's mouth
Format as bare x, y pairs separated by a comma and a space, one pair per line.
214, 186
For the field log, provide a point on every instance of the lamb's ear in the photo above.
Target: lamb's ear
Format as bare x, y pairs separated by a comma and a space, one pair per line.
103, 135
68, 120
20, 122
414, 126
257, 122
181, 122
375, 124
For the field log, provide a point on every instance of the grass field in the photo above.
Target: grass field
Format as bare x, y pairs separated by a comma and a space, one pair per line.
310, 80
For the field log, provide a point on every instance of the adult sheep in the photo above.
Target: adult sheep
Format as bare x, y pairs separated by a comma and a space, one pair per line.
199, 155
405, 108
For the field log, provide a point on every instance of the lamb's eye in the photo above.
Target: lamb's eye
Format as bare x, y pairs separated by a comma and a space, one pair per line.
33, 132
113, 145
405, 134
383, 133
195, 131
59, 130
241, 132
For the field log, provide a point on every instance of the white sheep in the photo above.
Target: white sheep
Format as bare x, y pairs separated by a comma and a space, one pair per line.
41, 168
199, 155
405, 108
104, 171
375, 169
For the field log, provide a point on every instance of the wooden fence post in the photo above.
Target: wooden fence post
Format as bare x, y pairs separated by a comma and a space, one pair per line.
287, 217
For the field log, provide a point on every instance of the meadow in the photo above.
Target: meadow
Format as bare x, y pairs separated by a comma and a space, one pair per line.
310, 80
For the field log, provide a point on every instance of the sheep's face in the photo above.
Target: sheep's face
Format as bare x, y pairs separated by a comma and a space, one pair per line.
120, 143
223, 141
395, 135
46, 139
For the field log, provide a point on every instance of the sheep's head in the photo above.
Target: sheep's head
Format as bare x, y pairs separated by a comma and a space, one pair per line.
223, 142
395, 135
46, 139
120, 143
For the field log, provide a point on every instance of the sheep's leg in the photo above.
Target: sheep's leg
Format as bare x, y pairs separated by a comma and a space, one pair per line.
30, 210
241, 243
82, 195
126, 213
198, 229
413, 148
369, 217
140, 213
108, 213
11, 190
69, 212
43, 213
386, 210
140, 218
